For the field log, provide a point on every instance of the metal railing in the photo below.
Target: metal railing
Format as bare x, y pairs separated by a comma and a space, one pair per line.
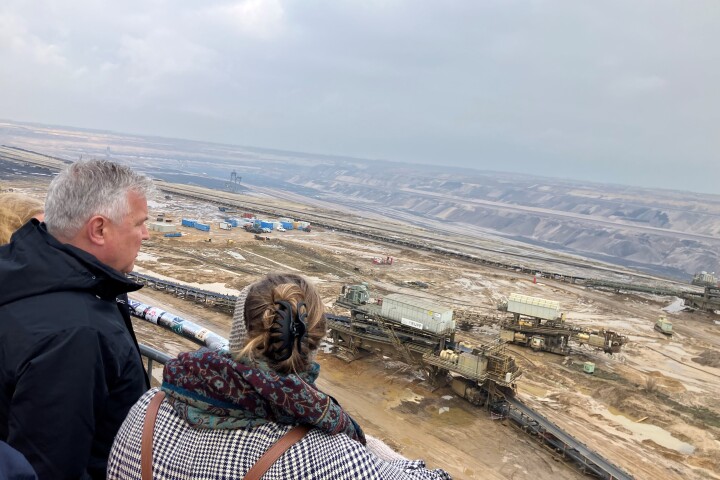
153, 355
178, 326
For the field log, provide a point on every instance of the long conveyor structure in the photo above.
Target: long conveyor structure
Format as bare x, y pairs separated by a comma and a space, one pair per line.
213, 299
552, 436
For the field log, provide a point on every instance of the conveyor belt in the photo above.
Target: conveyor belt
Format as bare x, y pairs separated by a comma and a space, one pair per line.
587, 460
217, 300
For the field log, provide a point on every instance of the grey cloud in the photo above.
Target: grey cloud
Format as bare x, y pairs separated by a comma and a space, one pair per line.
614, 91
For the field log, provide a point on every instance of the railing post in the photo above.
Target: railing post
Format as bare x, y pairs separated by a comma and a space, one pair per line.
153, 355
150, 368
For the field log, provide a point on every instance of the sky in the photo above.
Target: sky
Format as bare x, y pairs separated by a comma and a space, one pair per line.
609, 91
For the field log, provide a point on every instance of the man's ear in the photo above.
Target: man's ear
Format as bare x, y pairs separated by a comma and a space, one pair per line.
96, 228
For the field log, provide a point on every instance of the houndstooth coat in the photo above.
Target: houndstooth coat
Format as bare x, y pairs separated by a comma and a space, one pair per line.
183, 452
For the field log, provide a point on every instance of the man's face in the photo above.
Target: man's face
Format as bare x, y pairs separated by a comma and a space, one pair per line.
123, 239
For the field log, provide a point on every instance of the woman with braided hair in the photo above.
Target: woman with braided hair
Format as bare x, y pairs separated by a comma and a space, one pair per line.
255, 411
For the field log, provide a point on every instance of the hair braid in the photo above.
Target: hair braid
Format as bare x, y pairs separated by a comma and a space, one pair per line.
262, 314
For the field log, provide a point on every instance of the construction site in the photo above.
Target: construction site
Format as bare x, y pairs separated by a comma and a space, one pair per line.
488, 361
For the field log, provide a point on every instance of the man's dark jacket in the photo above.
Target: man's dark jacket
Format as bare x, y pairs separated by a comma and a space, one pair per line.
70, 368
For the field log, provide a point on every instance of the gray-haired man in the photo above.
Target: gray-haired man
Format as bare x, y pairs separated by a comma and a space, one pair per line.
70, 368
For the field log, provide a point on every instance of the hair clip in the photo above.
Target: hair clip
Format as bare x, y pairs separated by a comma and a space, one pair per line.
291, 326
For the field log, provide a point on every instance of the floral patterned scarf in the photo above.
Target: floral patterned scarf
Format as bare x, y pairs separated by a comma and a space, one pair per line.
211, 390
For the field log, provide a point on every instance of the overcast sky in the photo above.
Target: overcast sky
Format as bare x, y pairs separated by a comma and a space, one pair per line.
621, 91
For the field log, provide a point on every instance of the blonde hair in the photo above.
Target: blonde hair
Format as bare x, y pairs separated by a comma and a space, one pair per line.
261, 314
15, 210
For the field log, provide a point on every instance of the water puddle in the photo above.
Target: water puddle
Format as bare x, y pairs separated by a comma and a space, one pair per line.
644, 431
406, 396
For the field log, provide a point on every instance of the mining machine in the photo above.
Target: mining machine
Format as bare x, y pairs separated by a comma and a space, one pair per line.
708, 301
664, 326
421, 333
705, 279
538, 323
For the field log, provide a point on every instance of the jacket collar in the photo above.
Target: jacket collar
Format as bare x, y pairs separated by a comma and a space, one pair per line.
35, 262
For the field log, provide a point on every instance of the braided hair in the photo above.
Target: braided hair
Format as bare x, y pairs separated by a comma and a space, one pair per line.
285, 321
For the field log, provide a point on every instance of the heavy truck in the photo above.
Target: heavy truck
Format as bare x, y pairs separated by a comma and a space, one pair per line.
539, 324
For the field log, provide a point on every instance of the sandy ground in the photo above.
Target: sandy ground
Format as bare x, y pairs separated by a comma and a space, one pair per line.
652, 409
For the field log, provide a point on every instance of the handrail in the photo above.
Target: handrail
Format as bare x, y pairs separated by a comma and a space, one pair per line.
153, 355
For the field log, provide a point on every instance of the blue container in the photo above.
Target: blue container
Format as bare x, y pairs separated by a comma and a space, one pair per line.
266, 225
173, 234
287, 225
203, 227
186, 222
232, 221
